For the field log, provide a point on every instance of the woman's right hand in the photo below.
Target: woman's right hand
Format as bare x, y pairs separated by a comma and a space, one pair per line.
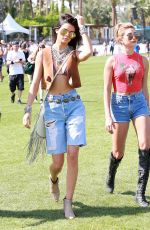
27, 120
109, 125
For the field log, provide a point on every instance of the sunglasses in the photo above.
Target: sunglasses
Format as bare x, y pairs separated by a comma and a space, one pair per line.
132, 35
71, 34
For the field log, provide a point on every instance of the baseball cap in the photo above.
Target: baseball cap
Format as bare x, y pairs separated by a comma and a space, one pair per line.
15, 43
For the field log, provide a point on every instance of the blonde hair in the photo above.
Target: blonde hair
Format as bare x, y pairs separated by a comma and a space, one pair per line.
120, 29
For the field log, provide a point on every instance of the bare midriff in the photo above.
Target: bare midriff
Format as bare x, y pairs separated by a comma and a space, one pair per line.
60, 85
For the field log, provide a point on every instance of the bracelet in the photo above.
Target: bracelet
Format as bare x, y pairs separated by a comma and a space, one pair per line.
82, 29
28, 109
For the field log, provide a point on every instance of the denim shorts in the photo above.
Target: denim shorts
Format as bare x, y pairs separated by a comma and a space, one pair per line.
127, 107
65, 122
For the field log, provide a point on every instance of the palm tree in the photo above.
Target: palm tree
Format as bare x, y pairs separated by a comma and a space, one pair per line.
40, 4
80, 7
32, 14
62, 6
114, 14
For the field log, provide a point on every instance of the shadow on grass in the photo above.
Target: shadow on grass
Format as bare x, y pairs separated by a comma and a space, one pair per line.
89, 211
81, 211
131, 193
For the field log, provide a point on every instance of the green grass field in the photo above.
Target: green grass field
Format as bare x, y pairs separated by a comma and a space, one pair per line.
25, 202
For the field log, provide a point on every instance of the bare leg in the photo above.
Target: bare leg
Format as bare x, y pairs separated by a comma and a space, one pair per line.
12, 97
56, 166
72, 170
19, 94
72, 173
119, 138
142, 127
30, 77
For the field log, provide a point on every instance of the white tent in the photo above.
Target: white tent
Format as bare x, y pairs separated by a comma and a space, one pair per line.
9, 25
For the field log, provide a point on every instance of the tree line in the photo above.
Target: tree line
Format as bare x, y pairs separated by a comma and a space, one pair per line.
105, 12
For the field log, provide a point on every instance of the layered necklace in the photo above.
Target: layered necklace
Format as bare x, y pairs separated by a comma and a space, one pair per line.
60, 55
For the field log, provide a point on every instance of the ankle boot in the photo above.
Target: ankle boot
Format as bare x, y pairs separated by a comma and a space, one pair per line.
54, 189
143, 174
69, 214
113, 165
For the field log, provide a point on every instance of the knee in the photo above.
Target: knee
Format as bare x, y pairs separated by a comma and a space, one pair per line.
144, 145
72, 151
72, 159
118, 154
57, 165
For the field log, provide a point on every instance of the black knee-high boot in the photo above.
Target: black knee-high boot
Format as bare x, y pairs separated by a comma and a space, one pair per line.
143, 174
113, 165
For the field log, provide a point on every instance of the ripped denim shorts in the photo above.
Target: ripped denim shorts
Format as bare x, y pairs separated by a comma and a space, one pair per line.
127, 107
65, 122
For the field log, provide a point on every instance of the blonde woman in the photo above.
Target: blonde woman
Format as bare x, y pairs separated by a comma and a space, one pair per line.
127, 72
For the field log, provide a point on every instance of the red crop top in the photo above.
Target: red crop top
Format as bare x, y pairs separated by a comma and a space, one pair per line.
128, 73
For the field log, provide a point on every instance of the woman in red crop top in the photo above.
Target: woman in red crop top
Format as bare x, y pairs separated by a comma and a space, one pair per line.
127, 72
64, 110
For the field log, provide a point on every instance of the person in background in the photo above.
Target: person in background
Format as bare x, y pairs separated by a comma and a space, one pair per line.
41, 91
137, 48
24, 49
8, 48
112, 45
95, 52
4, 47
32, 46
105, 48
128, 73
148, 48
1, 62
15, 60
64, 110
31, 59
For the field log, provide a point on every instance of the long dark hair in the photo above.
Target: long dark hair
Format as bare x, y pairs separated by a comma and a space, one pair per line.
68, 18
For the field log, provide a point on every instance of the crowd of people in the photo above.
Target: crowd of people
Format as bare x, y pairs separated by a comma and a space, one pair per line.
126, 99
14, 55
112, 47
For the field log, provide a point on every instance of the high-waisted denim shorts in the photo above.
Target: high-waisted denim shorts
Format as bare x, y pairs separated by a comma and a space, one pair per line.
127, 107
65, 122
